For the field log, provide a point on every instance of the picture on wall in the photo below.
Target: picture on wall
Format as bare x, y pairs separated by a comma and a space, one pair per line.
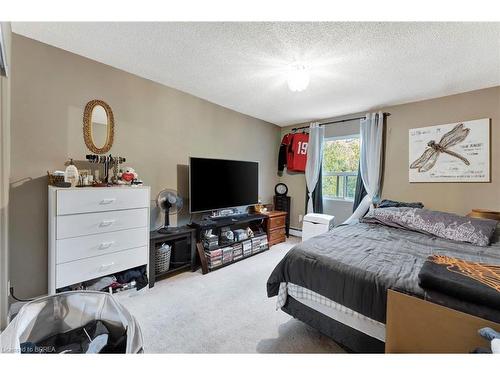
457, 152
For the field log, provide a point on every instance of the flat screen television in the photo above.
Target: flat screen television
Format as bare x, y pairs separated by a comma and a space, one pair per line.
216, 184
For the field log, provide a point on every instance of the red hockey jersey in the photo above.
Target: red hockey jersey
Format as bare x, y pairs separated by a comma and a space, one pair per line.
297, 152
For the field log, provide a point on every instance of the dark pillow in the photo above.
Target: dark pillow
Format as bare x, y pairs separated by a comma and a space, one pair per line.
387, 203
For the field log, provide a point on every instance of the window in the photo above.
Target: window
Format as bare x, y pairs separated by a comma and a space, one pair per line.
340, 167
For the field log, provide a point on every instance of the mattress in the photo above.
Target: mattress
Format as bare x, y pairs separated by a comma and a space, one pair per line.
355, 265
331, 309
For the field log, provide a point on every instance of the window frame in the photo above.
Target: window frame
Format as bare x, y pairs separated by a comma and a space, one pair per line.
343, 175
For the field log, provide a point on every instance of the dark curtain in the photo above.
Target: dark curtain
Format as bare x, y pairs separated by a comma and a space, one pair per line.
317, 195
360, 191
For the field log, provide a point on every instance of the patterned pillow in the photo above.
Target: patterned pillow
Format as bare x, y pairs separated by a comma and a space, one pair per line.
441, 224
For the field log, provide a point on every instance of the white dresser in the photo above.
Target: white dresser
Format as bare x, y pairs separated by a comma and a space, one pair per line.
95, 232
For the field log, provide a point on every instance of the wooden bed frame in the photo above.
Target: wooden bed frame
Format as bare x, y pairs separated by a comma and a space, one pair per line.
417, 326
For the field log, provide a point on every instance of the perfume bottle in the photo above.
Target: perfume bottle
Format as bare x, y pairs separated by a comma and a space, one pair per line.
71, 174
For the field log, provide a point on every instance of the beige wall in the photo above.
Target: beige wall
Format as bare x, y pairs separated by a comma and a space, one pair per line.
4, 176
157, 129
452, 197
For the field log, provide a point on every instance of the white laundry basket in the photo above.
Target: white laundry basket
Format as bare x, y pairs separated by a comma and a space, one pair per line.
314, 224
60, 313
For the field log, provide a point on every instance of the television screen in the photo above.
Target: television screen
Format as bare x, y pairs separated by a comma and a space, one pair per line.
216, 184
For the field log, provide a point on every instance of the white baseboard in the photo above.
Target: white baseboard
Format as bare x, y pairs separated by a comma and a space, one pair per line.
296, 232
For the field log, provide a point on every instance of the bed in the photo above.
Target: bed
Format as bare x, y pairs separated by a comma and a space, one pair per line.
337, 282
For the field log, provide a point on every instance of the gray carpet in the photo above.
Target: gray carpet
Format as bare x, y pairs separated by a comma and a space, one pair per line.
225, 311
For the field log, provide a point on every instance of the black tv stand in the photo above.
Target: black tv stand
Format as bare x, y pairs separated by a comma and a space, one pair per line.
224, 221
255, 221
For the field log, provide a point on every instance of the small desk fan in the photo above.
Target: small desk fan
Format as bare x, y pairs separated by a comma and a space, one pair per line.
170, 203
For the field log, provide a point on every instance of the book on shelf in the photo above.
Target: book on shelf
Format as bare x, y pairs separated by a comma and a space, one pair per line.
259, 244
247, 247
213, 253
219, 254
215, 264
227, 254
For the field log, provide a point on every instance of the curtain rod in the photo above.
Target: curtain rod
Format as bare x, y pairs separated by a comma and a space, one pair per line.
386, 114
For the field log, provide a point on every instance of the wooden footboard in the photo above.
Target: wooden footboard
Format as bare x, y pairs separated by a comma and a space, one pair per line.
418, 326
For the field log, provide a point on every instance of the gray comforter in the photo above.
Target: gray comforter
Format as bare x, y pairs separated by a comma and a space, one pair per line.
355, 265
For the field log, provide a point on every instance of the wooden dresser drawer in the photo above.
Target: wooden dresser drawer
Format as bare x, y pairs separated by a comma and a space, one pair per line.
91, 268
276, 222
71, 249
74, 201
276, 235
101, 222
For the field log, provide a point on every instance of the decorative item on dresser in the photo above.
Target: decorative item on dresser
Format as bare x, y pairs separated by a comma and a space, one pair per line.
275, 226
95, 232
107, 163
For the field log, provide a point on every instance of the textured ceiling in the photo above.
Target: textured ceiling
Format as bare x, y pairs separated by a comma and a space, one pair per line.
354, 67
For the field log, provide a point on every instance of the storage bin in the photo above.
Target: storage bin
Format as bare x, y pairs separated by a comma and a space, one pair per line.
315, 224
162, 261
40, 320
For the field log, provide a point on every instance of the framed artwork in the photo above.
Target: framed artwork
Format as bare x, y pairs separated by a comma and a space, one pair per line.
457, 152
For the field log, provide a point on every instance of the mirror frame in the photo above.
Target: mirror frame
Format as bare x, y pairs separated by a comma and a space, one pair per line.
87, 127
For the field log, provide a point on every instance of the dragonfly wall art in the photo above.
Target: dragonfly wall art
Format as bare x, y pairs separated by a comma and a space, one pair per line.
430, 156
456, 152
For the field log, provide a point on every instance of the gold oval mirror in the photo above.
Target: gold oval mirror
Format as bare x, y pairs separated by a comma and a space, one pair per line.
98, 126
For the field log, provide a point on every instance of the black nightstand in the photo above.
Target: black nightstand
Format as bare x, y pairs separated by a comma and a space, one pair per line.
183, 253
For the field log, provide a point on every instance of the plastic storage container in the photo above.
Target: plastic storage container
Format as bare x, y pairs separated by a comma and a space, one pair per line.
162, 258
314, 224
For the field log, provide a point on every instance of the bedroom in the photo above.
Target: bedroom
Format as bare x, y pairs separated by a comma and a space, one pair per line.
195, 145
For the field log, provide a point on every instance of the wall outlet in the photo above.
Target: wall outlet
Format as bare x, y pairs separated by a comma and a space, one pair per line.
300, 218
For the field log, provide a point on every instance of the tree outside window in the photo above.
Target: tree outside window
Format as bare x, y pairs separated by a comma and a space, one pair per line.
340, 167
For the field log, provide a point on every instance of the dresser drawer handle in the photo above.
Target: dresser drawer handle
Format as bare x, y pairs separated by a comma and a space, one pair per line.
106, 245
107, 201
106, 223
104, 267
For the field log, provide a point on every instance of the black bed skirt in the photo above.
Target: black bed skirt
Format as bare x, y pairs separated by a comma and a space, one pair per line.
349, 338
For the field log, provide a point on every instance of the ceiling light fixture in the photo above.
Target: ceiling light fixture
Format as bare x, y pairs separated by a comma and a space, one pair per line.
297, 77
